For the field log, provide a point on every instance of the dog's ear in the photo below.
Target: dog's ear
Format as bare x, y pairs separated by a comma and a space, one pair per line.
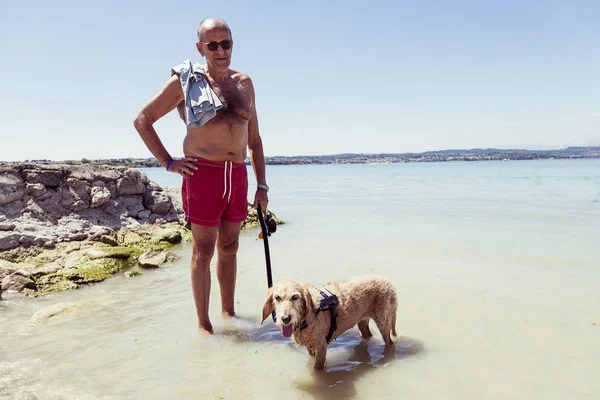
268, 306
307, 301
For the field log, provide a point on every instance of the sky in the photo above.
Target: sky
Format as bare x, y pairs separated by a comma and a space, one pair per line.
330, 77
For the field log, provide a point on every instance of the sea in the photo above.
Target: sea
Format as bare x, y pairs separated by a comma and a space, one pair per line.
496, 264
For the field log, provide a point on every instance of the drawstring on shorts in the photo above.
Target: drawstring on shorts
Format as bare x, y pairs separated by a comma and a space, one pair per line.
225, 180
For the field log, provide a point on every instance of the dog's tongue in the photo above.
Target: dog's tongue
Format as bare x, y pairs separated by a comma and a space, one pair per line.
287, 330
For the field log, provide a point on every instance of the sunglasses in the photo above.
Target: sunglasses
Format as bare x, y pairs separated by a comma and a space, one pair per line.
213, 46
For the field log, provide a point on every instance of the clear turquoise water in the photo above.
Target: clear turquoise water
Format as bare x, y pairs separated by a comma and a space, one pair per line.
496, 264
537, 216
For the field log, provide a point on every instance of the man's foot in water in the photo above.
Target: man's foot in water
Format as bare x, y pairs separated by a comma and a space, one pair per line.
228, 314
205, 330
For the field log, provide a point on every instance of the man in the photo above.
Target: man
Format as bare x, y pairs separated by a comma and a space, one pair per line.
215, 184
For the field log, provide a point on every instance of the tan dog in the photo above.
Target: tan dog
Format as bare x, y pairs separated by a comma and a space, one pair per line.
360, 299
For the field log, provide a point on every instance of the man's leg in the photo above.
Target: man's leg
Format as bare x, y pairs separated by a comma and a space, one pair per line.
227, 247
204, 238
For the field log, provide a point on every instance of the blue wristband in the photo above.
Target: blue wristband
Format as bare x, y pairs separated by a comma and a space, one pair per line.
169, 163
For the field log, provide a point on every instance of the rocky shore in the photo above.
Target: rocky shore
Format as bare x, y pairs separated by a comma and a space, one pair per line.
63, 226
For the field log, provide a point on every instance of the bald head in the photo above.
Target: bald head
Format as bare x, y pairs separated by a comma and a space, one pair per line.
209, 24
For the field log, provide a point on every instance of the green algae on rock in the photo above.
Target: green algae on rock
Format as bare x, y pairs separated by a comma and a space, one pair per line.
133, 272
70, 265
96, 262
119, 252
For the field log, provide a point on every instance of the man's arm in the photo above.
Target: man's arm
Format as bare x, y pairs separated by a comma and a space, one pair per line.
257, 156
160, 105
255, 145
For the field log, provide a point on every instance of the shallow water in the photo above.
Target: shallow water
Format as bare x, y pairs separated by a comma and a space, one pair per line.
496, 264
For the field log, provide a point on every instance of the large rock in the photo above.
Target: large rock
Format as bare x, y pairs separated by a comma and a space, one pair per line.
169, 236
7, 226
81, 188
95, 173
154, 259
49, 176
6, 268
131, 204
47, 269
143, 215
72, 224
17, 282
103, 195
100, 196
97, 232
35, 189
12, 187
131, 183
71, 200
12, 210
9, 240
27, 238
158, 202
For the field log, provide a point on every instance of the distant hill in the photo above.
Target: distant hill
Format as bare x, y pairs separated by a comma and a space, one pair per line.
441, 156
358, 158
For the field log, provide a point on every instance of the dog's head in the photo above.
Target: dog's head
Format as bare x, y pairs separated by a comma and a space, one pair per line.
291, 301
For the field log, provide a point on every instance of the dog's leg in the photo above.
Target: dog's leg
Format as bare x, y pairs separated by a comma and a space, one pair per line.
320, 354
311, 352
365, 332
384, 324
394, 334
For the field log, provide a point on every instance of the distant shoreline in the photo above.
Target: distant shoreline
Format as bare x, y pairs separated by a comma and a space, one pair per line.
358, 158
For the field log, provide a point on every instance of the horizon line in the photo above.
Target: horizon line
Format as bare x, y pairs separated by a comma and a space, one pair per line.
339, 154
444, 150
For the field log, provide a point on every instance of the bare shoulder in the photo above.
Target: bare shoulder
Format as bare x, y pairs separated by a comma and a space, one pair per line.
242, 79
171, 89
174, 84
238, 75
165, 100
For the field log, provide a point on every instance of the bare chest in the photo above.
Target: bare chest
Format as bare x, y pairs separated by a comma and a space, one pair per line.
236, 101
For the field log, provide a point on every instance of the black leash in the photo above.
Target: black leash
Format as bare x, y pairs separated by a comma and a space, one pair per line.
266, 232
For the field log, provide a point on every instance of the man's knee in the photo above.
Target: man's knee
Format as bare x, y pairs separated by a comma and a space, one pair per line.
202, 251
228, 247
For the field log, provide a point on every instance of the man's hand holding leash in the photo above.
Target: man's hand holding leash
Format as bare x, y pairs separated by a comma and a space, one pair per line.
262, 197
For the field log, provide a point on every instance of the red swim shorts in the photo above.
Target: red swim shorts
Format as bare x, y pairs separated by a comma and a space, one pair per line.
217, 190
